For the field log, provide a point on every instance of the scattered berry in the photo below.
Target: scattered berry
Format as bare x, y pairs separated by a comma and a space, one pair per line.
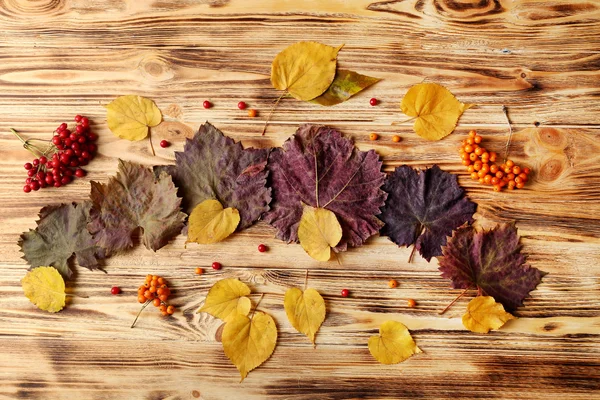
164, 143
373, 101
27, 188
28, 166
393, 283
216, 265
199, 271
242, 105
395, 138
115, 290
345, 292
206, 104
252, 113
373, 136
411, 303
262, 248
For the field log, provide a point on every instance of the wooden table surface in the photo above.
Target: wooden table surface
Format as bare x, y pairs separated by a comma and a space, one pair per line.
539, 58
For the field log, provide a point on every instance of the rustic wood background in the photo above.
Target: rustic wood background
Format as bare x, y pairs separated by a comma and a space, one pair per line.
539, 58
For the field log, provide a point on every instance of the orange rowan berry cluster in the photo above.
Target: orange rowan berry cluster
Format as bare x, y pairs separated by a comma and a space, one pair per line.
483, 168
156, 290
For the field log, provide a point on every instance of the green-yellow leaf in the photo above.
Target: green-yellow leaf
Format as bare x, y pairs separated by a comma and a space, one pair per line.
435, 108
318, 232
345, 85
45, 287
249, 342
305, 310
394, 343
304, 69
210, 223
226, 299
484, 314
129, 117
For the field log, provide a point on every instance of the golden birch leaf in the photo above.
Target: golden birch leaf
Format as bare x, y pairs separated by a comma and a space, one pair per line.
210, 223
129, 117
394, 343
435, 108
45, 287
484, 314
226, 299
319, 231
304, 69
305, 310
249, 342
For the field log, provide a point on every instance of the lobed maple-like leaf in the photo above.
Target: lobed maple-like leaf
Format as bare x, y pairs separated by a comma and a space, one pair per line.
131, 199
423, 208
60, 234
491, 261
320, 168
214, 166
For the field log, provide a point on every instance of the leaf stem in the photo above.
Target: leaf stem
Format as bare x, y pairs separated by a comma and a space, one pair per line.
257, 303
77, 295
138, 314
150, 140
505, 112
32, 148
403, 122
412, 253
272, 110
455, 300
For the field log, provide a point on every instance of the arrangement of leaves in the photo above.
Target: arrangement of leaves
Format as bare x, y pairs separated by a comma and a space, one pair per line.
319, 168
45, 287
422, 208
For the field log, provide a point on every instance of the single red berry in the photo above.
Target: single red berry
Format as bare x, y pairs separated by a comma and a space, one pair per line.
56, 140
78, 118
206, 104
79, 173
164, 143
85, 122
115, 290
345, 292
62, 127
35, 185
65, 180
262, 248
216, 265
35, 162
43, 160
242, 105
28, 166
31, 173
27, 188
373, 101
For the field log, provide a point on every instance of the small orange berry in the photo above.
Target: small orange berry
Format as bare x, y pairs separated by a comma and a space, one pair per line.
156, 302
411, 303
474, 176
473, 133
395, 138
479, 151
373, 136
161, 281
471, 169
477, 165
470, 141
466, 163
493, 156
495, 181
477, 139
393, 283
526, 170
499, 174
252, 113
493, 168
163, 308
497, 188
141, 298
520, 185
487, 179
510, 163
516, 170
473, 157
170, 310
199, 271
469, 148
523, 176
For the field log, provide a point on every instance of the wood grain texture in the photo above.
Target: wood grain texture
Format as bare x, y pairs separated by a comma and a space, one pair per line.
539, 58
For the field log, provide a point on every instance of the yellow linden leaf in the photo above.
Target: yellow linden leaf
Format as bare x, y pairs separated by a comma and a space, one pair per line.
305, 69
436, 109
249, 342
210, 223
45, 287
484, 314
129, 117
394, 343
305, 310
226, 299
318, 232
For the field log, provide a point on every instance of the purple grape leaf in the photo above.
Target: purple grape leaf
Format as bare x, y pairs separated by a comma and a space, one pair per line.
60, 234
134, 199
491, 261
423, 208
214, 166
320, 168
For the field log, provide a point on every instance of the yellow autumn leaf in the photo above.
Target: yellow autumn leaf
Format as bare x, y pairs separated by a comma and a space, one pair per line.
394, 343
210, 223
318, 232
226, 299
305, 69
435, 108
45, 287
484, 314
305, 310
129, 117
249, 342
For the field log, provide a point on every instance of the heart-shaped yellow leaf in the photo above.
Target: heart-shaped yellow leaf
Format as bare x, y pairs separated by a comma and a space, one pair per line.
435, 108
318, 232
394, 343
305, 310
304, 69
249, 342
484, 314
45, 287
210, 223
129, 117
227, 299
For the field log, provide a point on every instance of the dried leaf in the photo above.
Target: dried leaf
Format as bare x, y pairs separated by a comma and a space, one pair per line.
436, 109
345, 85
320, 168
394, 343
305, 310
249, 342
484, 314
129, 117
210, 223
491, 261
318, 232
226, 299
61, 233
45, 287
423, 208
132, 199
213, 166
304, 69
